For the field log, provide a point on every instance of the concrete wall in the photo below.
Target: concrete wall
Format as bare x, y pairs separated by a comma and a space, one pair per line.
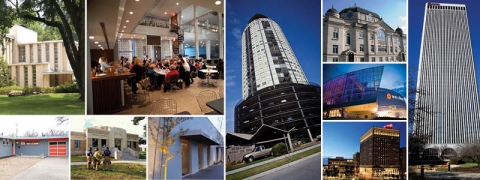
5, 147
32, 150
174, 170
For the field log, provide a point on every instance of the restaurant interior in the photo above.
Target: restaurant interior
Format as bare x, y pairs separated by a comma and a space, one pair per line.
155, 57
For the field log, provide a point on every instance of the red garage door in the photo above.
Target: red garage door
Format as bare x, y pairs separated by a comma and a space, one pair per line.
57, 147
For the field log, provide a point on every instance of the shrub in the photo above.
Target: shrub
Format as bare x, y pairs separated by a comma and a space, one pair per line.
456, 160
279, 149
47, 89
229, 164
67, 88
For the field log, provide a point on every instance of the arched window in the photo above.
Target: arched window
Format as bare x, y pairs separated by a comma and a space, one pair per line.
348, 38
381, 35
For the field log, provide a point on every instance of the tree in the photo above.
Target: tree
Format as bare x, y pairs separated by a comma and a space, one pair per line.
5, 80
162, 132
136, 121
31, 133
61, 120
67, 16
417, 139
56, 132
471, 151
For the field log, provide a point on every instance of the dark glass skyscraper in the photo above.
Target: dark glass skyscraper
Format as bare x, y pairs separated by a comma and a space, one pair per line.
446, 78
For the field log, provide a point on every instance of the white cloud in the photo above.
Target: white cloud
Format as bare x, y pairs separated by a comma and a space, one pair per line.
237, 33
23, 123
80, 123
403, 18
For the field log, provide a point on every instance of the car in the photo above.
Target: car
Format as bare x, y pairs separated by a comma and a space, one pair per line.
256, 153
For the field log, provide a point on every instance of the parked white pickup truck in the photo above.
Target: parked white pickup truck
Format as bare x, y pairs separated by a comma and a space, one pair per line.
256, 153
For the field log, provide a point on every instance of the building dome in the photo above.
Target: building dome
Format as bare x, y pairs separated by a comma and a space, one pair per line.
399, 30
332, 10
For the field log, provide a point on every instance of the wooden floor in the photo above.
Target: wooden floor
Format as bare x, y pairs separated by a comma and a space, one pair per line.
185, 98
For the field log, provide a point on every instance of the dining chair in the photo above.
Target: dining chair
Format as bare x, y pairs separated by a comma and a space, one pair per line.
164, 106
206, 96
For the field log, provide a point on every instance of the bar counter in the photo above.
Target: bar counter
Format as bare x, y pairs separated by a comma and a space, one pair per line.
108, 95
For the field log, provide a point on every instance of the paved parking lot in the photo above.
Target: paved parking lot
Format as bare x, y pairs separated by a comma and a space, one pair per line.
48, 168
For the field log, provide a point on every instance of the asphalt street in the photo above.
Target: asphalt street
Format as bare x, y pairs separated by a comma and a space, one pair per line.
306, 170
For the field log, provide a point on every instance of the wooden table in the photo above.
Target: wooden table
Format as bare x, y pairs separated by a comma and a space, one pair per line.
216, 105
108, 92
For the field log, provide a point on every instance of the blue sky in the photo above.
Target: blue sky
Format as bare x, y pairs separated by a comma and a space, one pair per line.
417, 12
343, 138
301, 26
393, 12
394, 75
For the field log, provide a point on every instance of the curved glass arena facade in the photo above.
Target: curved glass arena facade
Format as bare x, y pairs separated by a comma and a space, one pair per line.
357, 95
283, 106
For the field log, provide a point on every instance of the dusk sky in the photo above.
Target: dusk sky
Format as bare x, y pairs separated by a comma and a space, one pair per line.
394, 75
393, 12
417, 13
301, 26
343, 138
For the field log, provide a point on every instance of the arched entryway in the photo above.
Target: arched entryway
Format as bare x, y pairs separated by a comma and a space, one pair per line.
351, 57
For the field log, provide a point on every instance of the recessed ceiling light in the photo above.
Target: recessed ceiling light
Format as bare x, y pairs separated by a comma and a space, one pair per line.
124, 26
218, 2
181, 16
99, 45
123, 31
96, 42
134, 35
128, 21
131, 12
91, 37
178, 3
165, 12
137, 0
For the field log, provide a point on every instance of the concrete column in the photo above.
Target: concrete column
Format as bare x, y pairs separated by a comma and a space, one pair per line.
115, 52
207, 47
290, 142
220, 35
196, 30
180, 31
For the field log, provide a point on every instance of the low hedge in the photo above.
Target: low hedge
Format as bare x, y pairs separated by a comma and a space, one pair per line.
279, 149
64, 88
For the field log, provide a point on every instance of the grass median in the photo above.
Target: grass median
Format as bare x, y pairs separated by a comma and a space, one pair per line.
272, 165
57, 103
119, 171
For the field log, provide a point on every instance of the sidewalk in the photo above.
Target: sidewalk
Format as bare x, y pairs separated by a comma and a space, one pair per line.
271, 160
138, 161
212, 172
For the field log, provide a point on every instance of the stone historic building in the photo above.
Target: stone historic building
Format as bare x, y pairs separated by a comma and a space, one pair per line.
102, 137
359, 35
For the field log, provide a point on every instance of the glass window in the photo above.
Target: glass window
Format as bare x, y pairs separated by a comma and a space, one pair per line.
31, 53
362, 59
348, 38
77, 143
372, 48
372, 36
360, 34
381, 35
55, 56
129, 144
361, 47
335, 33
94, 142
335, 59
34, 75
104, 143
134, 145
47, 52
39, 49
380, 58
335, 49
391, 48
373, 59
396, 49
25, 76
21, 54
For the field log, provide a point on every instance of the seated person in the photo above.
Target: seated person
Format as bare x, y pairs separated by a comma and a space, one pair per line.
138, 70
103, 64
173, 71
154, 76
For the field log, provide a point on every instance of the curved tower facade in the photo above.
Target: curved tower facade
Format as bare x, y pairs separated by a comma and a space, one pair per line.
267, 58
447, 78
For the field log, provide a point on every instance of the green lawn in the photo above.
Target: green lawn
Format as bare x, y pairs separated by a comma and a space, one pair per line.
58, 104
272, 165
142, 155
82, 158
119, 171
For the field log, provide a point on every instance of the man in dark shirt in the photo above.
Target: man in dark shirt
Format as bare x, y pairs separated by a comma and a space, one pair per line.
106, 159
89, 158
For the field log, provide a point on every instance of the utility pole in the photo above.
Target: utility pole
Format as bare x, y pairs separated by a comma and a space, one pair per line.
16, 129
